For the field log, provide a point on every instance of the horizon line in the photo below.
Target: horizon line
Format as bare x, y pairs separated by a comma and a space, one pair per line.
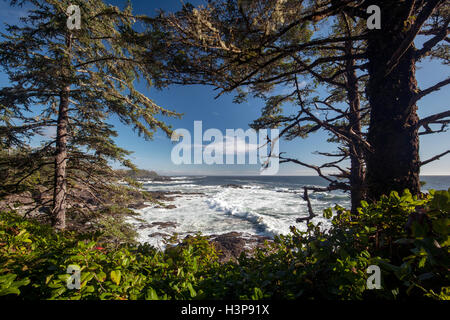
275, 175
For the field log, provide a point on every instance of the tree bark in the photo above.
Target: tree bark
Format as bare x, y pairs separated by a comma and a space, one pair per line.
60, 187
394, 163
60, 180
357, 170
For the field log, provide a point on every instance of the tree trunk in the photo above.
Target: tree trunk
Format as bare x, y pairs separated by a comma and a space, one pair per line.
357, 169
357, 174
357, 165
60, 186
394, 163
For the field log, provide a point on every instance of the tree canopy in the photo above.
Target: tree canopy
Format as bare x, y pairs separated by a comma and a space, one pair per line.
253, 47
73, 80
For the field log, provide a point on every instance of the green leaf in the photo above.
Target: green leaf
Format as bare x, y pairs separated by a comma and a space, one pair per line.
191, 290
11, 290
327, 213
89, 289
115, 276
57, 292
257, 294
422, 262
441, 201
101, 276
151, 294
441, 226
48, 278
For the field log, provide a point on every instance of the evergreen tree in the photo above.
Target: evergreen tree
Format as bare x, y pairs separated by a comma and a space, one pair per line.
252, 46
75, 80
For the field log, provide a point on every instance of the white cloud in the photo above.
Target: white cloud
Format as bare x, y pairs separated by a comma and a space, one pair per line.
233, 145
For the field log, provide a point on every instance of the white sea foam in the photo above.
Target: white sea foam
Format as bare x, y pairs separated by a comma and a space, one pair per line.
255, 209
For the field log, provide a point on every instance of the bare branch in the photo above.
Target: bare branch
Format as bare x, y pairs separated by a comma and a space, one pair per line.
411, 35
428, 130
310, 209
433, 118
423, 93
437, 157
428, 46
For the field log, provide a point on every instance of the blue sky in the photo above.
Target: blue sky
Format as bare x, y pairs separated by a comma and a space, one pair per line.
198, 103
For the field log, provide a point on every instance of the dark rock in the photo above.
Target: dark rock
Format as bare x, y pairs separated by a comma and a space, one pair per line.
144, 226
170, 195
236, 186
231, 245
158, 234
160, 195
162, 225
137, 206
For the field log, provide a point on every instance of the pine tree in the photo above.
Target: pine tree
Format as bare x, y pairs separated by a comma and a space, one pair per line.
254, 46
341, 111
75, 80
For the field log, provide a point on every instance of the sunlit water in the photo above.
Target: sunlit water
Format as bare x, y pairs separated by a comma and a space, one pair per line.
265, 205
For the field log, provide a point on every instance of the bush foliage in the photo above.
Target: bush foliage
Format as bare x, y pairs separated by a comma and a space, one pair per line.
406, 236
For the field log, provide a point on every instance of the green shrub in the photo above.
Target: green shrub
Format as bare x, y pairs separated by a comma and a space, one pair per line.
332, 264
411, 250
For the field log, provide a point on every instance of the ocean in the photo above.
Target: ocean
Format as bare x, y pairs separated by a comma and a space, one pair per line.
261, 205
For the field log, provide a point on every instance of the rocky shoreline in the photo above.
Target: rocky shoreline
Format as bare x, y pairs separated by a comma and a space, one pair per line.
159, 197
230, 245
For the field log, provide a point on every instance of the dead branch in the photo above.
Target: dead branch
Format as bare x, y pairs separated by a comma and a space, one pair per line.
423, 93
437, 157
439, 36
310, 209
433, 118
411, 35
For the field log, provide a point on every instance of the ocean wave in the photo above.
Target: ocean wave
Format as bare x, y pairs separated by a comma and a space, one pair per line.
270, 224
259, 209
327, 196
253, 217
